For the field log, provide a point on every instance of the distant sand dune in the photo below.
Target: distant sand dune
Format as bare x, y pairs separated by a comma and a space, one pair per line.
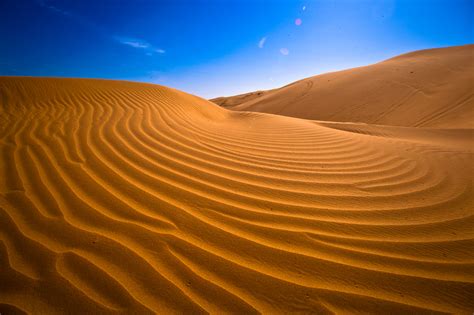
427, 88
136, 198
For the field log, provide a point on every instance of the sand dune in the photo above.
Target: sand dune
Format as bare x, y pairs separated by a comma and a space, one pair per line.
428, 88
136, 198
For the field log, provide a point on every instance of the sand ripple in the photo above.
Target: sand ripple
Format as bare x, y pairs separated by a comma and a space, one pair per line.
125, 197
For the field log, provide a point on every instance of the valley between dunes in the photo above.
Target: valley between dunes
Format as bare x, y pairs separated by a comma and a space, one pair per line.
137, 198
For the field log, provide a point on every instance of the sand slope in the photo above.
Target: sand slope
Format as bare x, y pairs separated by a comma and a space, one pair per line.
127, 197
429, 88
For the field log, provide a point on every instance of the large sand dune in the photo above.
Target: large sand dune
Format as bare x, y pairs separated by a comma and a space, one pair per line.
118, 196
428, 88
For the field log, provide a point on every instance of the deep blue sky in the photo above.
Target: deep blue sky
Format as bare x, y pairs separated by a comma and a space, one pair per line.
212, 48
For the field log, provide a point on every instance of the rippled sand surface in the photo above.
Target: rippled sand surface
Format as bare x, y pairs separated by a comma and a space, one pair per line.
136, 198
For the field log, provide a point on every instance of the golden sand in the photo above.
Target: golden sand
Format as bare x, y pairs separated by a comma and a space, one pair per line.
427, 88
136, 198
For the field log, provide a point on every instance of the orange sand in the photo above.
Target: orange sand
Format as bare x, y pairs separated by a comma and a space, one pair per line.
136, 198
427, 88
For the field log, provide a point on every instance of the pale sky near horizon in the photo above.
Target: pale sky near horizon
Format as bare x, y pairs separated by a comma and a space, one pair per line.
214, 48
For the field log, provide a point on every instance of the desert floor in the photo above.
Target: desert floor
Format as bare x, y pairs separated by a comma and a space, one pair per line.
136, 198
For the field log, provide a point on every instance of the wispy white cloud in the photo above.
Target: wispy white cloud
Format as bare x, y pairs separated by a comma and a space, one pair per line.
284, 51
135, 44
261, 43
147, 48
139, 44
45, 4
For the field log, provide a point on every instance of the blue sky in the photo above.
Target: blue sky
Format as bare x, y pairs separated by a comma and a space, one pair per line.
213, 48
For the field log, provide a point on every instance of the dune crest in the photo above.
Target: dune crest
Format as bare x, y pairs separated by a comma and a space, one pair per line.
427, 88
127, 197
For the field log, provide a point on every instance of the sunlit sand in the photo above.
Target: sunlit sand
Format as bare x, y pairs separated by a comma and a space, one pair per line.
138, 198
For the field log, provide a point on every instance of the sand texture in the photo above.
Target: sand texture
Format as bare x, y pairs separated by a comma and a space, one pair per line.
428, 88
136, 198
